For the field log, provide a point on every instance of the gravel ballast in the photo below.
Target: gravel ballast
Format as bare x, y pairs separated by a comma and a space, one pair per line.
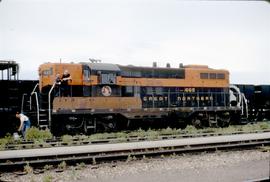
218, 166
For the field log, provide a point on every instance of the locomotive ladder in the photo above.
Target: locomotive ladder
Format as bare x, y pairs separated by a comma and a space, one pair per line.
43, 119
41, 113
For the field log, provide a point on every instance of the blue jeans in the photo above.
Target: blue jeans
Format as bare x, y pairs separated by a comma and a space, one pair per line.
26, 126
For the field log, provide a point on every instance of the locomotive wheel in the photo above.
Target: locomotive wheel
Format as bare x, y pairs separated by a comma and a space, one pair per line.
106, 126
223, 120
197, 123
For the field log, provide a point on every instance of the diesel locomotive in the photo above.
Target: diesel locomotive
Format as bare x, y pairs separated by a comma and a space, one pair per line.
107, 97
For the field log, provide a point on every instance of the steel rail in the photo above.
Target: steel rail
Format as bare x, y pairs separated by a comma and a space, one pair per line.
100, 152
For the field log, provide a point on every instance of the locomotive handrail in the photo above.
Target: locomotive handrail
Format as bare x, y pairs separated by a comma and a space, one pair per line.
49, 106
244, 105
22, 102
34, 89
36, 95
31, 96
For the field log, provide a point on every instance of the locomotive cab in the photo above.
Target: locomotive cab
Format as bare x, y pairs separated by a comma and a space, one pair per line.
49, 71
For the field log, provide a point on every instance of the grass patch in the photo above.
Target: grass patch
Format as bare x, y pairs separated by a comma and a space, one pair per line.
34, 134
3, 143
48, 167
154, 134
81, 165
67, 139
27, 168
8, 139
192, 130
62, 165
47, 178
264, 125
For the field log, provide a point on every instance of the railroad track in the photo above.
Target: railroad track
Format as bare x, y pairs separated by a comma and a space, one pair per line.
95, 153
57, 142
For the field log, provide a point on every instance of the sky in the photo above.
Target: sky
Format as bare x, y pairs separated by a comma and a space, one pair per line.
232, 35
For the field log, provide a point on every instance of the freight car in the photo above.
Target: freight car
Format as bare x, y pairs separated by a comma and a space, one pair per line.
12, 92
258, 97
106, 97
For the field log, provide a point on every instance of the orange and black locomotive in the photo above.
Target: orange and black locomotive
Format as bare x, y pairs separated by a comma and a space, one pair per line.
104, 96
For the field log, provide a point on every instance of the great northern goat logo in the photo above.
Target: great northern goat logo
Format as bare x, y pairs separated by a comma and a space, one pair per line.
106, 91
